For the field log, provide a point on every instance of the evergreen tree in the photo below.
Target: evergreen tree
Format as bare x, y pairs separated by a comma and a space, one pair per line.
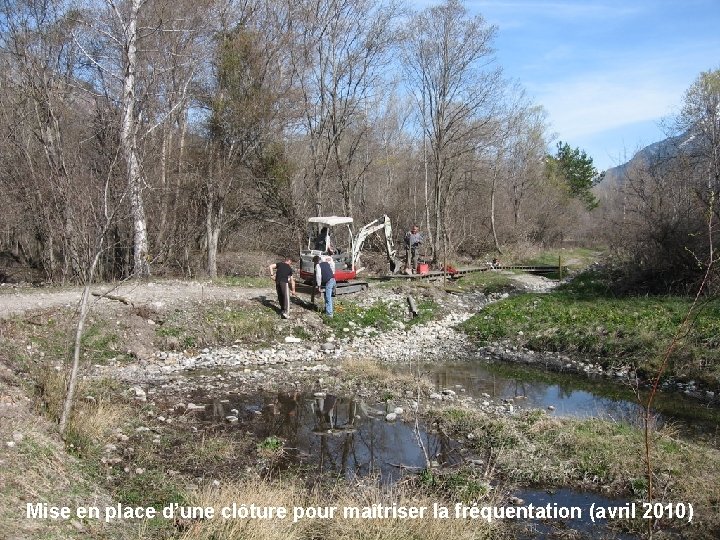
575, 168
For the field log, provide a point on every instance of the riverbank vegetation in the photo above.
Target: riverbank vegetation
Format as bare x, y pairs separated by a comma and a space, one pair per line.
585, 317
535, 449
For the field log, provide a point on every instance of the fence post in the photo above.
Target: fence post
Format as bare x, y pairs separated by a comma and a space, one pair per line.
560, 266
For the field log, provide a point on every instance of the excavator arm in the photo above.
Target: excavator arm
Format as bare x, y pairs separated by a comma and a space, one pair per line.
372, 227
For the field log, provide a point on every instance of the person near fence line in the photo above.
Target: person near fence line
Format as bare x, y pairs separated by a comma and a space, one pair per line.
282, 273
413, 241
324, 277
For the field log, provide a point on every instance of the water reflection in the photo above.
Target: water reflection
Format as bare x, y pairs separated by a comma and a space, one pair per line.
344, 436
571, 528
565, 398
570, 395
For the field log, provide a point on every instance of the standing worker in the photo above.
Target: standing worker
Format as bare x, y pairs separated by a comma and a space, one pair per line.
324, 277
413, 240
282, 273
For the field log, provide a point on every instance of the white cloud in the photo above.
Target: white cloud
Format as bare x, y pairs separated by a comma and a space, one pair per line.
626, 89
600, 102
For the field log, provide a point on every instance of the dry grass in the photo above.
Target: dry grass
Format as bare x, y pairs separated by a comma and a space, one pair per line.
374, 371
96, 421
36, 468
290, 495
537, 450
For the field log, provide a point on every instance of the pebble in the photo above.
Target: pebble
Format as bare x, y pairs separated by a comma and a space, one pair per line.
140, 394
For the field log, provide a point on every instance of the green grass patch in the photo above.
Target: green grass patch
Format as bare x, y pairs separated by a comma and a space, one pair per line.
464, 485
270, 443
489, 282
534, 449
381, 316
632, 330
217, 324
571, 258
99, 345
151, 488
427, 311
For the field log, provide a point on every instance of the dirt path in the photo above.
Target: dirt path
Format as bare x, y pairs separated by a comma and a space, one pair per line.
160, 294
157, 294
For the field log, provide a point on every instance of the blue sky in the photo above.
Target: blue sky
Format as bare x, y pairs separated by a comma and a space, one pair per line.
607, 71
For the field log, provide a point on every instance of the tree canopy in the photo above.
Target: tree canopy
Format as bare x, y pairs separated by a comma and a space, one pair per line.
576, 170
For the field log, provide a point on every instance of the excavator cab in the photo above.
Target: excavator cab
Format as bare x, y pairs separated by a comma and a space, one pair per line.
329, 236
332, 237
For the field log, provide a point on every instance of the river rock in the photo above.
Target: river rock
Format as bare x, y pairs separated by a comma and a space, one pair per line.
139, 393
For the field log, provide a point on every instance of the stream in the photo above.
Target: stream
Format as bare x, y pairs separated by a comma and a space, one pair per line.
572, 395
349, 436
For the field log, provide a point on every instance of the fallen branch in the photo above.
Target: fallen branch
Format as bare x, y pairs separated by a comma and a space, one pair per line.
113, 297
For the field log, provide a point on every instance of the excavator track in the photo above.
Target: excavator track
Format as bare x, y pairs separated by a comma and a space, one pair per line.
350, 287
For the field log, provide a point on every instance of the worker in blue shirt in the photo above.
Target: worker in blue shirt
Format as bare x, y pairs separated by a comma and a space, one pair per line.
324, 277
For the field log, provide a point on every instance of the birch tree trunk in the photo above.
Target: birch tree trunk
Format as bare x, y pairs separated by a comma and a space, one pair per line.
128, 139
213, 225
493, 190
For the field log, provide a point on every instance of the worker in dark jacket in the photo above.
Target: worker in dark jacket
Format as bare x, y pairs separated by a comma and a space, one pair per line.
324, 277
413, 240
282, 273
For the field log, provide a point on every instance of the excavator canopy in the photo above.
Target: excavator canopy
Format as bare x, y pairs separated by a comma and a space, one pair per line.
330, 221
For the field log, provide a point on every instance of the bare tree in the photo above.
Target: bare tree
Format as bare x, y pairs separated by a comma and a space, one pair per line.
247, 114
663, 195
526, 158
700, 119
448, 60
129, 125
37, 102
338, 59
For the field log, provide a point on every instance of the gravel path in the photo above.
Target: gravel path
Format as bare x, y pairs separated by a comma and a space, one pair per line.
14, 301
